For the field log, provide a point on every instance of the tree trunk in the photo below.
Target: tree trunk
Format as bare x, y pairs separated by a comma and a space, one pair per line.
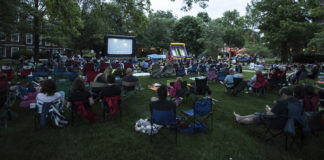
284, 52
36, 30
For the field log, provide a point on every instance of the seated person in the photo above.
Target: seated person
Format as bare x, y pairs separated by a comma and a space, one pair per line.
229, 79
102, 77
80, 95
129, 82
161, 102
280, 108
311, 99
176, 86
48, 92
44, 99
258, 81
156, 70
111, 90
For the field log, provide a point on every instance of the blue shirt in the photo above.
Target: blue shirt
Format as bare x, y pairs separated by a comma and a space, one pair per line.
229, 79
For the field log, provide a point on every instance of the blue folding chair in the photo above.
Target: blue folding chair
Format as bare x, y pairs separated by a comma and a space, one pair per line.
221, 76
201, 111
165, 118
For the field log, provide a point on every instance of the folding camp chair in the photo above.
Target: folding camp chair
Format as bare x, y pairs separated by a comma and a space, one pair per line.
43, 110
79, 107
63, 83
164, 118
202, 110
200, 87
236, 82
287, 124
221, 76
110, 106
95, 89
128, 88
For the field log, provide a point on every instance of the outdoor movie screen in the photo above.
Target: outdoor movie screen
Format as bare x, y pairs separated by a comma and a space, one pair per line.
120, 45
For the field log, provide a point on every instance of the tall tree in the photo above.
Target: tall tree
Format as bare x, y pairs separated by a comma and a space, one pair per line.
189, 30
213, 37
52, 18
284, 23
159, 30
234, 29
8, 15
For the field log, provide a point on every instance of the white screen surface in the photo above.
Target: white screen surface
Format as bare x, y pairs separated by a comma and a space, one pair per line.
118, 46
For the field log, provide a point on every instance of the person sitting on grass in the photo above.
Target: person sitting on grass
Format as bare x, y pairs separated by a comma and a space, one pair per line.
161, 102
280, 108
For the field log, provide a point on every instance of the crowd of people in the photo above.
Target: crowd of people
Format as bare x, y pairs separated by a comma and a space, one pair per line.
101, 74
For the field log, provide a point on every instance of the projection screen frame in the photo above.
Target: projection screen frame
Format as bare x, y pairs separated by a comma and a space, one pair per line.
133, 38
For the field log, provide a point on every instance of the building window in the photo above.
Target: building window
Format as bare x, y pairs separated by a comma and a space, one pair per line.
29, 49
2, 51
15, 37
47, 43
2, 36
13, 50
29, 38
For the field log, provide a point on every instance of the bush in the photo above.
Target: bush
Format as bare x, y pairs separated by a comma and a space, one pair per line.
23, 52
308, 58
88, 54
43, 55
258, 49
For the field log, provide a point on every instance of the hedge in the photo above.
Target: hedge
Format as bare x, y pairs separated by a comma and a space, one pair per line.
308, 58
23, 52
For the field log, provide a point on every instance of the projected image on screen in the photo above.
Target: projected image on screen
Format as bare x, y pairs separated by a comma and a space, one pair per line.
178, 51
118, 46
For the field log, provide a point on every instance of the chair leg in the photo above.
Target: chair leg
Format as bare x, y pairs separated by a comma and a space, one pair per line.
120, 112
72, 118
5, 123
176, 134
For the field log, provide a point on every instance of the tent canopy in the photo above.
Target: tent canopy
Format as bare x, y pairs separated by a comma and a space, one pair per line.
156, 56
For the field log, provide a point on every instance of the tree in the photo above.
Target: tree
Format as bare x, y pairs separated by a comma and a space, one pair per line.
8, 15
234, 28
124, 17
188, 6
317, 43
258, 49
159, 30
284, 23
213, 37
204, 16
189, 31
57, 19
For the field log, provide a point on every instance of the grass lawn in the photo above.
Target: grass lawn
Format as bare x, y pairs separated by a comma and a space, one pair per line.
113, 139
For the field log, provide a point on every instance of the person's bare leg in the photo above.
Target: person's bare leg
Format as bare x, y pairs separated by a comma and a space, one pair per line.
249, 119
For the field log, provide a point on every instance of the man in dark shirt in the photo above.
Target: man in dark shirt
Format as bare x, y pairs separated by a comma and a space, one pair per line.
111, 90
161, 103
129, 82
280, 108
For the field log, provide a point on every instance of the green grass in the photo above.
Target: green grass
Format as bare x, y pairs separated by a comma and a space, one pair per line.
118, 140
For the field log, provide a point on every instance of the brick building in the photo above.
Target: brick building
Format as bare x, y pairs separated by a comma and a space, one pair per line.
10, 43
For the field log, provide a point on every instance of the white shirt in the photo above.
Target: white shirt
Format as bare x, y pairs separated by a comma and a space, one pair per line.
47, 99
